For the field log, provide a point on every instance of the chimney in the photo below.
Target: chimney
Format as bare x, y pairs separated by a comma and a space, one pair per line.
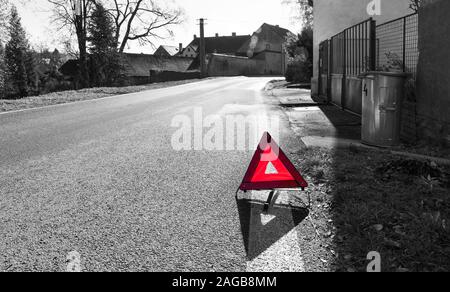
217, 35
180, 47
233, 34
195, 36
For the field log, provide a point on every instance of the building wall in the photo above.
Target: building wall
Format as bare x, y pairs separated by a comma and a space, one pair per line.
433, 86
189, 52
223, 65
333, 16
275, 62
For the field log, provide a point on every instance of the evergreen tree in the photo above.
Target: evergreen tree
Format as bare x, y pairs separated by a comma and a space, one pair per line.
30, 67
16, 58
300, 52
2, 71
105, 62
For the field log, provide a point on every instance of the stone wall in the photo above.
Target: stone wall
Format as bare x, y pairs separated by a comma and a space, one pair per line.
223, 65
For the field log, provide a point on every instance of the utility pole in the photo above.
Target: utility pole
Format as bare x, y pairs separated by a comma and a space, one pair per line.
202, 48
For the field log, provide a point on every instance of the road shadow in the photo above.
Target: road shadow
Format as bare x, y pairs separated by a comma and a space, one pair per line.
258, 236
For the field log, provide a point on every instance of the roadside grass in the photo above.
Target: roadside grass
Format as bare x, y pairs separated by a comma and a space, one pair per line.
80, 95
364, 201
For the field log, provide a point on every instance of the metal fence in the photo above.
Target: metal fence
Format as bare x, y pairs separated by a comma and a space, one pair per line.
397, 44
355, 46
366, 47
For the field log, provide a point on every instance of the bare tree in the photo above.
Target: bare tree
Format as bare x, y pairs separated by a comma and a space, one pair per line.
74, 15
135, 20
142, 20
417, 4
303, 11
4, 4
414, 5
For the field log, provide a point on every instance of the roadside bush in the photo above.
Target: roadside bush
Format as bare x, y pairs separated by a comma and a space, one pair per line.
53, 82
299, 72
300, 51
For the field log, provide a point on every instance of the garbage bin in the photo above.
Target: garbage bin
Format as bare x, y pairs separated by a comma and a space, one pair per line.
381, 114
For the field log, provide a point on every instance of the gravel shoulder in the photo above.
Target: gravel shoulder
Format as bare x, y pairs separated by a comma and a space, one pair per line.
69, 96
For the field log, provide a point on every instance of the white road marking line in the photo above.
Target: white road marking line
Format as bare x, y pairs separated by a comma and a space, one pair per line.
273, 254
283, 256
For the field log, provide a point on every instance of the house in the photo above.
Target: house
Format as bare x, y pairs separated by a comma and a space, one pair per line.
333, 16
168, 51
267, 44
190, 51
267, 38
226, 45
259, 54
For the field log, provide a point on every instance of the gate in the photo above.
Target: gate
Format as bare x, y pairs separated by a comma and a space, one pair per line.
361, 48
353, 53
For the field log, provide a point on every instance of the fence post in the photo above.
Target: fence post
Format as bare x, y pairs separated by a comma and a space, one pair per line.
344, 72
319, 81
373, 44
330, 68
404, 45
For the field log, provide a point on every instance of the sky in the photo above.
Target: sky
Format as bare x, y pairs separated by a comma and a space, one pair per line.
223, 17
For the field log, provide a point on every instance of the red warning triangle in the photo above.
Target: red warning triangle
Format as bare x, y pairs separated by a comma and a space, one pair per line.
271, 169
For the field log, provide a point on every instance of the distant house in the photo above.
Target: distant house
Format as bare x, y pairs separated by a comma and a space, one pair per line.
227, 45
259, 54
167, 51
224, 45
267, 38
190, 52
267, 44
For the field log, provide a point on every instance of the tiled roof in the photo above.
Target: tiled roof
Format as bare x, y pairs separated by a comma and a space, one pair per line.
171, 50
282, 32
221, 45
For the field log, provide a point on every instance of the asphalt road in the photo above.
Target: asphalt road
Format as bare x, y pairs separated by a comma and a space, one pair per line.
101, 179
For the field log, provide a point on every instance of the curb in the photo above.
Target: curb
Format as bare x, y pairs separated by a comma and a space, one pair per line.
438, 160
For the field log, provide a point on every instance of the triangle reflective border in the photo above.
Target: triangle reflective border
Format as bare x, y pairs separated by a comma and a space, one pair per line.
271, 169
